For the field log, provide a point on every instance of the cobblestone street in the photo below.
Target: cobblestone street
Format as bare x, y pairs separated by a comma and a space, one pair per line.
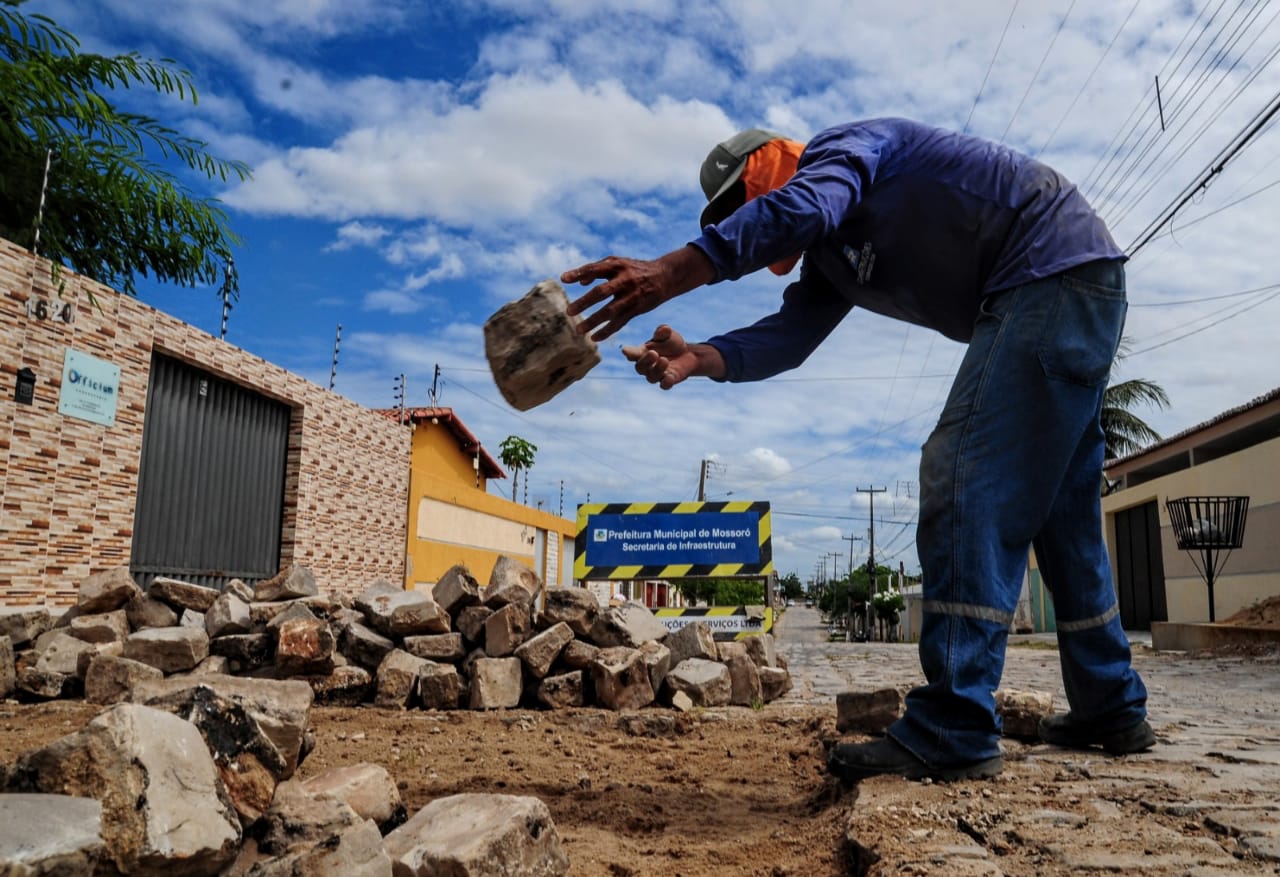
1205, 801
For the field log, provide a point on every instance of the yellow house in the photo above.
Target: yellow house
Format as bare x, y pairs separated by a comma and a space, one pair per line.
454, 519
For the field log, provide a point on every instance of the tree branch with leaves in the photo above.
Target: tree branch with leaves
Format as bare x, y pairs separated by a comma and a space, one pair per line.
113, 211
1124, 430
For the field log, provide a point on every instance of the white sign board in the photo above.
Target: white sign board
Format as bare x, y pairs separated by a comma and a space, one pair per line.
90, 387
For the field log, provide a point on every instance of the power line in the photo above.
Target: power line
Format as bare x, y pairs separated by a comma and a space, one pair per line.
1219, 321
1149, 182
774, 380
786, 514
1193, 301
1093, 179
1119, 183
992, 64
1215, 167
838, 453
1089, 79
1170, 233
1203, 128
1039, 67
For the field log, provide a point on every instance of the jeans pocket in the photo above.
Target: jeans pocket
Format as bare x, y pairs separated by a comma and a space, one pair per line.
1080, 338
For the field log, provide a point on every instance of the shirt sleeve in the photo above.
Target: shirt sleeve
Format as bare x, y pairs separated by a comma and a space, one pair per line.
811, 309
835, 169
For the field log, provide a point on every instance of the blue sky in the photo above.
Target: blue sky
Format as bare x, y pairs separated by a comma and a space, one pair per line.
418, 164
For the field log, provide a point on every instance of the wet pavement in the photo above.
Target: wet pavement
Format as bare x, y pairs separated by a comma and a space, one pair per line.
1204, 801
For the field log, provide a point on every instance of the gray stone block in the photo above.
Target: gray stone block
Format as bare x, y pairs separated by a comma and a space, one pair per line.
534, 349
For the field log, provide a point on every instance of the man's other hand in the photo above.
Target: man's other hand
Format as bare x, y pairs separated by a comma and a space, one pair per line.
666, 359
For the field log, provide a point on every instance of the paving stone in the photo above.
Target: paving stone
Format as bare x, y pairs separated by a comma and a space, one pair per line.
1265, 848
534, 349
49, 835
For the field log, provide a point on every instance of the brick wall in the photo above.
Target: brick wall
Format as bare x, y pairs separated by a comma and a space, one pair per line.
68, 486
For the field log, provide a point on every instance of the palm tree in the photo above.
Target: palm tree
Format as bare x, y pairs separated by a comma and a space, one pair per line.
1125, 431
517, 454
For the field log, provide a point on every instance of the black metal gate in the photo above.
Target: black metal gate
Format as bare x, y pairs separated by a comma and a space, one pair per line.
1140, 567
211, 485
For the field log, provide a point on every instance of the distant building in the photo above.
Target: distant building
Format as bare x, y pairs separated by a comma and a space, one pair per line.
453, 518
1236, 453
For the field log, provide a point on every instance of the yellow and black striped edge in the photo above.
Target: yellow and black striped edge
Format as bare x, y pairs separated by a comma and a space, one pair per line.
763, 567
755, 627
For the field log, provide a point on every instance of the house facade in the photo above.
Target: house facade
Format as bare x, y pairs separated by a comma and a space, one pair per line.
129, 437
1233, 455
452, 517
1236, 454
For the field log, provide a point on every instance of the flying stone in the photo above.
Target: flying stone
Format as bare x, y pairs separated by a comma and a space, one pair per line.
534, 348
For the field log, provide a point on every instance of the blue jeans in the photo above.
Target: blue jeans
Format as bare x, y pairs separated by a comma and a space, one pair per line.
1015, 460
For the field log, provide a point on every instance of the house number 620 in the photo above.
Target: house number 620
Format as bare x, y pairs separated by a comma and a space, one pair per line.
43, 309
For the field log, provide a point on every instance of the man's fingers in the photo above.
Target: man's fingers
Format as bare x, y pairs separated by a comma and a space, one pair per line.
599, 318
590, 272
673, 374
650, 365
588, 299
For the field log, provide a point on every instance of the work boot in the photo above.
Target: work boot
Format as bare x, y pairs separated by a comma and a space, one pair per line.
852, 762
1062, 730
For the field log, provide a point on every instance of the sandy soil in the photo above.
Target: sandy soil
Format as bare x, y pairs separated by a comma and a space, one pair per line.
725, 792
1264, 613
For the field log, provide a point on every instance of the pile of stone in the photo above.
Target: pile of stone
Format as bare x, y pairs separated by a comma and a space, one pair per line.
189, 770
460, 646
195, 776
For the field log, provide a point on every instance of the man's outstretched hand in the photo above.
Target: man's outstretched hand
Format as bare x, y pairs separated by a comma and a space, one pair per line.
633, 287
666, 359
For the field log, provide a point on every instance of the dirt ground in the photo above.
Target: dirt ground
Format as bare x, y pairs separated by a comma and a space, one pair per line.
1264, 613
716, 792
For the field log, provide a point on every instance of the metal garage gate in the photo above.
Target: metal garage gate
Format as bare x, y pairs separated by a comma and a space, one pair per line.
211, 485
1140, 567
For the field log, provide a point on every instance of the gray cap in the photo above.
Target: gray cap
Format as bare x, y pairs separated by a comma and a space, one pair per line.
722, 168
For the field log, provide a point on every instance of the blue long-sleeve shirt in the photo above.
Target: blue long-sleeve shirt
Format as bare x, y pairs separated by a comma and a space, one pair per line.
903, 219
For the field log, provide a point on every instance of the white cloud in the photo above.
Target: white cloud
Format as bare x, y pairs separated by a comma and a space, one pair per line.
766, 462
525, 140
357, 234
394, 301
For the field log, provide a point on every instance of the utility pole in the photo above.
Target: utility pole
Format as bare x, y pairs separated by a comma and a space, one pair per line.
705, 472
848, 631
871, 548
435, 387
851, 538
835, 564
